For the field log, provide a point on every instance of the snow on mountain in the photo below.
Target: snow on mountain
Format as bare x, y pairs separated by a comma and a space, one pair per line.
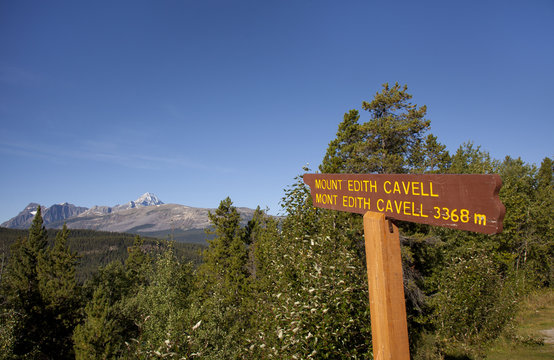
147, 216
55, 213
148, 199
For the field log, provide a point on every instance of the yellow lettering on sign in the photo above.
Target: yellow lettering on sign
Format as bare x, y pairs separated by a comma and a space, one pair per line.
431, 190
356, 202
389, 206
362, 185
423, 190
415, 188
480, 219
326, 199
400, 207
328, 184
388, 191
421, 211
380, 205
373, 186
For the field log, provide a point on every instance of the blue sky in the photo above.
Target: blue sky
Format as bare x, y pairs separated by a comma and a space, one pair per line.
194, 101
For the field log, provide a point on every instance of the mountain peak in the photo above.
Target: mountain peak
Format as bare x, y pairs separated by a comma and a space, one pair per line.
148, 199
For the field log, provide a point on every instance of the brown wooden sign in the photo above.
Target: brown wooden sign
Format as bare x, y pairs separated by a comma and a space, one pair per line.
464, 202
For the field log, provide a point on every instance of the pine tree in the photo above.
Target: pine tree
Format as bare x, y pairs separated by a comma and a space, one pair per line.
100, 336
111, 316
220, 305
342, 155
137, 263
227, 254
390, 142
470, 159
105, 327
61, 296
22, 291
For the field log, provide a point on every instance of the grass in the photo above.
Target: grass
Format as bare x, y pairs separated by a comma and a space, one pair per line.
526, 339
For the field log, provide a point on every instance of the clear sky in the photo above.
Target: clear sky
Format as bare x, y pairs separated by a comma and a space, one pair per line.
102, 101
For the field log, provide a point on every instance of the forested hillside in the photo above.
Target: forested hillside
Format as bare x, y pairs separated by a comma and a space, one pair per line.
98, 248
294, 287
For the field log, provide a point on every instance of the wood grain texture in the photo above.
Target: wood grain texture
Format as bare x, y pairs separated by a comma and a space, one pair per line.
386, 290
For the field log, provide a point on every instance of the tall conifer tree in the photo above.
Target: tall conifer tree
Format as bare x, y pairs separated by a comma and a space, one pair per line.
223, 288
60, 294
22, 291
392, 141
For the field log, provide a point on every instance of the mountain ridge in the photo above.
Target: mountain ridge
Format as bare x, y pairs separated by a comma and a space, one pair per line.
146, 216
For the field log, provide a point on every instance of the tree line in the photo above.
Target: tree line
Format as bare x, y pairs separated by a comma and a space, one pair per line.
98, 248
295, 287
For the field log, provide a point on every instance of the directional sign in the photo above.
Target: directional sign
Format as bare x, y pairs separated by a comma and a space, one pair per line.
465, 202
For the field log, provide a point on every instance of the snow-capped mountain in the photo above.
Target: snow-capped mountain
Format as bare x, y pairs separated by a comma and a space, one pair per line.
147, 215
148, 199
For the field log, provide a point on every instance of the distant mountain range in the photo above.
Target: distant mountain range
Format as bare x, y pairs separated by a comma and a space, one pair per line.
147, 216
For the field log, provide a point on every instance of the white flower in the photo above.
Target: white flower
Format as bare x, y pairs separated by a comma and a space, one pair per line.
197, 325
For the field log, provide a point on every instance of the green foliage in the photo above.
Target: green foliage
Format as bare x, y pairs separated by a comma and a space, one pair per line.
9, 323
223, 284
317, 304
392, 141
162, 306
110, 316
227, 255
22, 298
474, 303
61, 296
287, 287
98, 248
470, 159
101, 335
310, 287
40, 297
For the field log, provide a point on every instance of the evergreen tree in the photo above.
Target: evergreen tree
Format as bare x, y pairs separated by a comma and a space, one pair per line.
223, 288
342, 154
22, 292
226, 257
393, 140
101, 336
430, 157
470, 159
61, 296
390, 142
111, 317
542, 254
137, 263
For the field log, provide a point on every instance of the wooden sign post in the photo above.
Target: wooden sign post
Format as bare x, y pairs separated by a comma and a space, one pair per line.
465, 202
